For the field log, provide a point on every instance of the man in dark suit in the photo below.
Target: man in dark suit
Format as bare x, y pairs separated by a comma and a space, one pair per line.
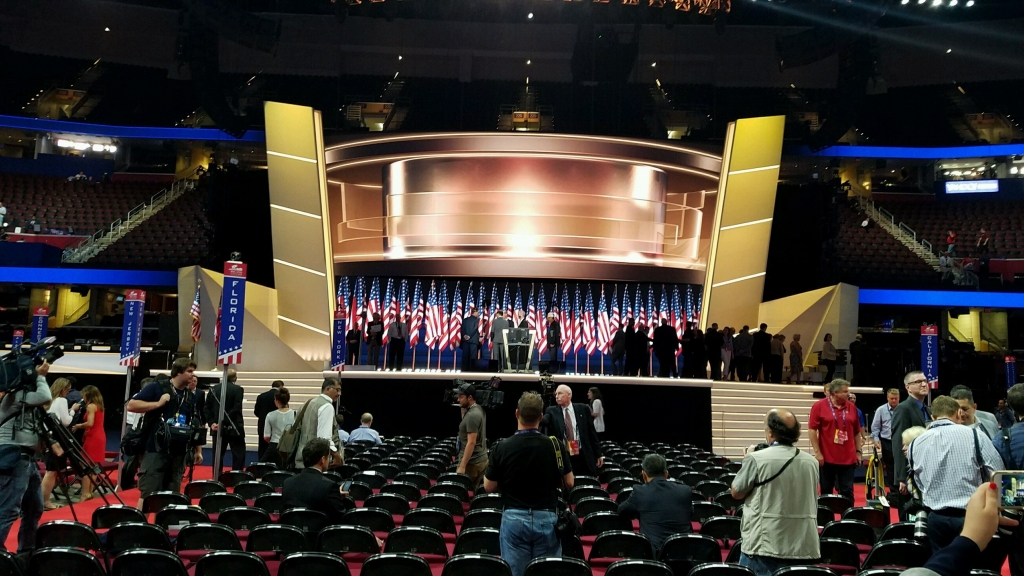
554, 329
761, 352
666, 342
353, 343
578, 437
909, 413
311, 489
265, 405
470, 340
663, 507
232, 426
618, 352
713, 342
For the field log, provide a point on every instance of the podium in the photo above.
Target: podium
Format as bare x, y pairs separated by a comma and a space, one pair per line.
519, 345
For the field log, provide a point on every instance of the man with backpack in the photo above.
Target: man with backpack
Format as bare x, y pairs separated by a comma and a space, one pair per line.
168, 410
1010, 445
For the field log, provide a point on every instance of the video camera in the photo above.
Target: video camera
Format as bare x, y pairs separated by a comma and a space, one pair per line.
486, 395
18, 368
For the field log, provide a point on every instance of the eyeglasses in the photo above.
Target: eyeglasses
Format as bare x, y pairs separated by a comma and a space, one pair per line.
917, 382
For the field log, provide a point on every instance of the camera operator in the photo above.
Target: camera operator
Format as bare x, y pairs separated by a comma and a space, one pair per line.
946, 464
170, 414
21, 492
778, 483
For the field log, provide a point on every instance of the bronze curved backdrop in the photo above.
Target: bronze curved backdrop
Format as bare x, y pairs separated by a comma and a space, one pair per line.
533, 205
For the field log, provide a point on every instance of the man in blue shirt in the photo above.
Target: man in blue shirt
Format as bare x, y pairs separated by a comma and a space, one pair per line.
881, 432
364, 432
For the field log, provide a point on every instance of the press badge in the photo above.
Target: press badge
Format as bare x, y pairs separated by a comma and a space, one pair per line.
574, 447
841, 437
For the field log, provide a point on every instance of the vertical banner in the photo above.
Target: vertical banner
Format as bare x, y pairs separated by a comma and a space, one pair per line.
338, 350
40, 321
131, 334
19, 339
1011, 371
930, 355
229, 349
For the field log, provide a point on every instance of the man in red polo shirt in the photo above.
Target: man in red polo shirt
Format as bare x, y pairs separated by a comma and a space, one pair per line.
834, 430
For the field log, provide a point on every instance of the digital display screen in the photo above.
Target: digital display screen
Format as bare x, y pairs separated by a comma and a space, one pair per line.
972, 186
1011, 490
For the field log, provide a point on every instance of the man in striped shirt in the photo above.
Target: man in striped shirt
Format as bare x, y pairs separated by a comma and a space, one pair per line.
948, 462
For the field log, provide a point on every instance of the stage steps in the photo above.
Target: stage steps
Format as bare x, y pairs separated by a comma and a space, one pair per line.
738, 409
301, 385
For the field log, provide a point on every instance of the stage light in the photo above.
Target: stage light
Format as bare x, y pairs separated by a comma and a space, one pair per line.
653, 64
904, 2
970, 3
948, 50
399, 56
952, 3
106, 29
529, 16
936, 3
527, 62
1014, 170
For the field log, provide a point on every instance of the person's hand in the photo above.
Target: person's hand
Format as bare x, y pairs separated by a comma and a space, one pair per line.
380, 543
878, 446
198, 458
43, 368
75, 407
820, 458
460, 470
600, 462
983, 517
343, 493
903, 488
164, 399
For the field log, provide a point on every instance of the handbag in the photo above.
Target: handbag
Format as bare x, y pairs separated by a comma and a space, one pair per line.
567, 526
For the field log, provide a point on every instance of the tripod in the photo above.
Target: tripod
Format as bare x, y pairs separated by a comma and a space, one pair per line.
81, 464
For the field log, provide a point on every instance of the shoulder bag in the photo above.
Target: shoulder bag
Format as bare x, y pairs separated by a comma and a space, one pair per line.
290, 437
567, 526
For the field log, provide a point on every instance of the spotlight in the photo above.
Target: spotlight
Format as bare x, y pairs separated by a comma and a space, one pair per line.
904, 2
527, 62
529, 16
970, 3
936, 3
653, 64
106, 29
953, 3
399, 56
948, 50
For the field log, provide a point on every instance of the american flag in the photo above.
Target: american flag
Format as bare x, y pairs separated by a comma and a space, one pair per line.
542, 323
689, 304
373, 306
518, 306
614, 322
507, 304
416, 318
470, 304
638, 307
653, 314
442, 317
403, 302
216, 331
531, 312
678, 320
565, 317
604, 332
663, 311
343, 297
455, 321
359, 303
433, 315
577, 321
492, 306
627, 305
390, 310
698, 301
196, 312
588, 324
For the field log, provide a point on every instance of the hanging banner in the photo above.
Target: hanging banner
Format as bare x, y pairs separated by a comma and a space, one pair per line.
229, 349
1011, 371
338, 350
19, 339
131, 333
40, 321
930, 355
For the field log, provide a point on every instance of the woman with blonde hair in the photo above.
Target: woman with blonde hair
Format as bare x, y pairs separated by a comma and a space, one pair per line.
58, 407
95, 441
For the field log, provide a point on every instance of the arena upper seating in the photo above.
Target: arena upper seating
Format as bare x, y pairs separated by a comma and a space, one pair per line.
82, 206
254, 534
873, 257
176, 236
932, 220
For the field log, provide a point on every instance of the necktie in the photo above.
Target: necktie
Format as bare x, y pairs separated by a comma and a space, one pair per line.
927, 415
570, 434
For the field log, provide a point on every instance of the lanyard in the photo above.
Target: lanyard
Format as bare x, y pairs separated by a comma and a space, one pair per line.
834, 417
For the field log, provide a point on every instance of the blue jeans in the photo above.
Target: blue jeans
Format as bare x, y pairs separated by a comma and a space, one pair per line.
767, 565
21, 494
527, 534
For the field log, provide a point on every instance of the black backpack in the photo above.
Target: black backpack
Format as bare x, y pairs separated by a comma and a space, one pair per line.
134, 441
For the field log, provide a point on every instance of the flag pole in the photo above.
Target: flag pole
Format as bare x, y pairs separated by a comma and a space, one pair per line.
413, 367
428, 357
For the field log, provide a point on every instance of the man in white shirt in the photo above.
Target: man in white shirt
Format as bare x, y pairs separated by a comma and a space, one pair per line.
881, 432
318, 421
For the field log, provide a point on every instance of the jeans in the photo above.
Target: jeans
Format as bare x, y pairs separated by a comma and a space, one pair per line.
838, 476
21, 494
767, 565
527, 534
943, 528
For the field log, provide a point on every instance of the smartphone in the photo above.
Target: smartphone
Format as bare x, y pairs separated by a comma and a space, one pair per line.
348, 484
1010, 484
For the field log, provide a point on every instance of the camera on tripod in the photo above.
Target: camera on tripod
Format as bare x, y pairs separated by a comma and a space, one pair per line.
486, 395
18, 368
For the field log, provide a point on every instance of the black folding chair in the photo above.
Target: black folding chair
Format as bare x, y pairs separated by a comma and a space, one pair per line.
64, 561
478, 541
638, 568
682, 552
149, 562
476, 565
276, 538
621, 544
346, 539
312, 564
395, 564
416, 540
231, 563
111, 514
243, 518
375, 519
553, 566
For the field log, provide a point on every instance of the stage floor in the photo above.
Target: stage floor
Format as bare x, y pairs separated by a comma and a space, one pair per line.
591, 379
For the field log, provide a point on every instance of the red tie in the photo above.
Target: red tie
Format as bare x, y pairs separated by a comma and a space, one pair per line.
570, 434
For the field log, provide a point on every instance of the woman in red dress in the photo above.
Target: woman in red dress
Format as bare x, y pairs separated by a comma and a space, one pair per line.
95, 441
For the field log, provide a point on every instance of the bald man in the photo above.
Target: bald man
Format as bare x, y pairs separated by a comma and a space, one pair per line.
779, 487
574, 426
